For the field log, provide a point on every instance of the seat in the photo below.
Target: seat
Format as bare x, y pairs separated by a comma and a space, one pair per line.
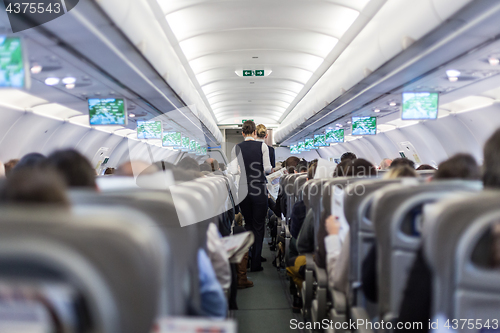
457, 245
113, 258
396, 217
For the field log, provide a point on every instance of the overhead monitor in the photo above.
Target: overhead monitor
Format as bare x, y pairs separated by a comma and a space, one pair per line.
149, 129
192, 146
301, 146
309, 144
198, 149
419, 105
334, 135
203, 150
320, 140
168, 139
107, 111
177, 138
294, 149
185, 143
364, 125
13, 67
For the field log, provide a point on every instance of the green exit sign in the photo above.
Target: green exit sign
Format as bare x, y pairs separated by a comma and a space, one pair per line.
243, 121
248, 73
259, 72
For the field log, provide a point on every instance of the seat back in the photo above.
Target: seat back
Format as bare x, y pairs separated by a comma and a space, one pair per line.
297, 187
290, 194
114, 259
458, 244
397, 218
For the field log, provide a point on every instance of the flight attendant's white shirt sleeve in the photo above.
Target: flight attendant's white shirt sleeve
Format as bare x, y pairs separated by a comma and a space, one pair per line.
233, 165
265, 159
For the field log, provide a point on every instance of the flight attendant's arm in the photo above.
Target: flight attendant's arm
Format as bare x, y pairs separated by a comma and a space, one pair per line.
268, 168
233, 165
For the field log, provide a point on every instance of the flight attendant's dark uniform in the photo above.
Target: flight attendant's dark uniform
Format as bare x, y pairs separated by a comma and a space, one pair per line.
254, 163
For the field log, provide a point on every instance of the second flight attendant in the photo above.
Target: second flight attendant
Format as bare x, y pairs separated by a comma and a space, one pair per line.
251, 161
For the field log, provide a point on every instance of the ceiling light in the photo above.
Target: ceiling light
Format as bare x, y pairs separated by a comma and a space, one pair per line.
349, 122
131, 115
69, 80
70, 86
376, 110
453, 79
493, 61
36, 69
453, 73
52, 81
339, 125
393, 104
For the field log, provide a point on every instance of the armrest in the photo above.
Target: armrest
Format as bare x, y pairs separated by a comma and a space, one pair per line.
361, 314
339, 301
309, 261
321, 277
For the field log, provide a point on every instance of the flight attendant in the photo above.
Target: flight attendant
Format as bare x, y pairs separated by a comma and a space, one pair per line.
261, 136
251, 161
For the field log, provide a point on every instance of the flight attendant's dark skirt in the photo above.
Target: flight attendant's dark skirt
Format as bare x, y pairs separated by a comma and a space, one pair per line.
254, 210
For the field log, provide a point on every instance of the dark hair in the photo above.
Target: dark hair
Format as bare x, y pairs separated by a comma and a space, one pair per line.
248, 127
213, 163
426, 167
402, 171
462, 166
9, 166
75, 169
34, 186
301, 166
363, 168
31, 161
348, 156
312, 170
291, 163
344, 169
491, 164
188, 163
205, 167
401, 161
109, 171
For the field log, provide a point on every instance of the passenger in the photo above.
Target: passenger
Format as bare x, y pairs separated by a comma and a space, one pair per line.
344, 169
213, 300
425, 167
218, 256
253, 157
261, 136
109, 171
2, 170
205, 167
135, 168
31, 161
75, 169
459, 166
276, 206
402, 161
363, 168
291, 163
385, 164
213, 163
301, 166
9, 166
243, 281
188, 163
34, 186
401, 172
491, 163
348, 156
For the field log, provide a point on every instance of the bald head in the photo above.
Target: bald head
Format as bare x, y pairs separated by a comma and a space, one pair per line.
135, 168
385, 164
213, 163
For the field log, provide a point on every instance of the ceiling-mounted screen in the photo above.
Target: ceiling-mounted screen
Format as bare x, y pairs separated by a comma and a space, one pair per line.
107, 111
309, 144
301, 146
364, 125
149, 129
320, 140
334, 135
177, 138
185, 143
192, 146
13, 73
168, 139
419, 105
294, 149
198, 149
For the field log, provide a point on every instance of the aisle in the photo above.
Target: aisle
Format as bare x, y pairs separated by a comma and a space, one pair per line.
267, 306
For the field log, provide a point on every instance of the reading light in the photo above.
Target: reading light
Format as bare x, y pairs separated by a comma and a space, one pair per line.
131, 115
393, 104
452, 73
376, 110
52, 81
339, 125
69, 80
36, 69
70, 86
349, 122
493, 61
453, 79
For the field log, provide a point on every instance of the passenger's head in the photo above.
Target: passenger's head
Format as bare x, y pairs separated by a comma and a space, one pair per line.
2, 170
459, 166
34, 186
363, 168
136, 168
214, 164
402, 171
109, 171
10, 165
401, 161
491, 165
205, 167
301, 166
385, 164
348, 156
249, 129
261, 131
426, 167
74, 168
222, 167
291, 163
312, 171
344, 169
31, 161
188, 163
